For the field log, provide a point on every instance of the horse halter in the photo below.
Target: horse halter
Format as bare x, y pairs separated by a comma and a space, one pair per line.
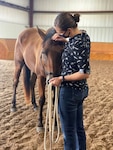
44, 56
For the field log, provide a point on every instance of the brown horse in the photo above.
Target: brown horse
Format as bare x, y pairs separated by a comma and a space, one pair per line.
40, 58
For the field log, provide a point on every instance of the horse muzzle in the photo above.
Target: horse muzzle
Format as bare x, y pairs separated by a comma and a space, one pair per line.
48, 77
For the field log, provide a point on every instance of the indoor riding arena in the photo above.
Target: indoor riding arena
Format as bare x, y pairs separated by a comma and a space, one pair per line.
18, 129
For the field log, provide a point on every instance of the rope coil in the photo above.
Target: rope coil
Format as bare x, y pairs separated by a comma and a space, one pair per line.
49, 117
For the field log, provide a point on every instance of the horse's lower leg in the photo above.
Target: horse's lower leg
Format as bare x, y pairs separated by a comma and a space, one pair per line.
13, 103
15, 84
41, 89
40, 118
33, 99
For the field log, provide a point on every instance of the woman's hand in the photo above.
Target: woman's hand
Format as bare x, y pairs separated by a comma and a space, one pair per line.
57, 37
56, 81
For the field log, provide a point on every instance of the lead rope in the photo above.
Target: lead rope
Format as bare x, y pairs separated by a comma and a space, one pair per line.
49, 117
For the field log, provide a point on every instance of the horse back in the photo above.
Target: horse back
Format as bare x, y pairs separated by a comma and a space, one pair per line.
28, 47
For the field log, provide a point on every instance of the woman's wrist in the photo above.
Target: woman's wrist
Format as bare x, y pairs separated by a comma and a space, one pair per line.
63, 78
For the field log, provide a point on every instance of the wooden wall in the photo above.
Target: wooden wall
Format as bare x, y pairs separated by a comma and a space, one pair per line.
7, 48
99, 51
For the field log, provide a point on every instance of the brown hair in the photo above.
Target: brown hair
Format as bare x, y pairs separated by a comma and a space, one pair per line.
66, 20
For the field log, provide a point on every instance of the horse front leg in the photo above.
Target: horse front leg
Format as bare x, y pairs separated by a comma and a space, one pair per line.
32, 83
41, 89
18, 68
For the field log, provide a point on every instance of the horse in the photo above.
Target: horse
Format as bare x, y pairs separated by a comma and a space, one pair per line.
40, 59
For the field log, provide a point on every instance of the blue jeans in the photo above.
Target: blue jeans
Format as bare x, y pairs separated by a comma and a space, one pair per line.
71, 117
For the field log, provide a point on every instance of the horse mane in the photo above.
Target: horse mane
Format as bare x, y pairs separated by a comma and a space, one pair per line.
50, 32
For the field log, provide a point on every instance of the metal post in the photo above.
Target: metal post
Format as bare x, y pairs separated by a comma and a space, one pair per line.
31, 2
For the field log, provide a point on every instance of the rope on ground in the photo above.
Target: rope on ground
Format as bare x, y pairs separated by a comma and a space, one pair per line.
49, 119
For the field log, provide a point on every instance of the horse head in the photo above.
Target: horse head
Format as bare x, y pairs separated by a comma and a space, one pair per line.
51, 53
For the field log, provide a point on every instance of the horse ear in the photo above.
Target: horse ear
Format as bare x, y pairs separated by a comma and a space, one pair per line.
41, 33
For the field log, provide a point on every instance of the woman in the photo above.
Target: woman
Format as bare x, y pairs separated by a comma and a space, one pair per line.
73, 79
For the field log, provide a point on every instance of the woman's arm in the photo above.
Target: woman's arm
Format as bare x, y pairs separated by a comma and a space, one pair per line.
56, 81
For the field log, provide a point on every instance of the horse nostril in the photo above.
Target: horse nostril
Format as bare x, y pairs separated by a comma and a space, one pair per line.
47, 81
48, 77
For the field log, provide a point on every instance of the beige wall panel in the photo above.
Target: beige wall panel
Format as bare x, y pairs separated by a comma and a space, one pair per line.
12, 15
73, 5
23, 3
44, 21
99, 27
12, 22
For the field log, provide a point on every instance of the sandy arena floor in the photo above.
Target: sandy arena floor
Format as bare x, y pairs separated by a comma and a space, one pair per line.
18, 130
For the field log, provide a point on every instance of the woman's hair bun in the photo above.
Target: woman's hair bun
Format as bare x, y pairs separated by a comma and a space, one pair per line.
76, 17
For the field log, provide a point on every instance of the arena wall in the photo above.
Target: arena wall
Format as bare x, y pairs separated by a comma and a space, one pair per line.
7, 49
99, 50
